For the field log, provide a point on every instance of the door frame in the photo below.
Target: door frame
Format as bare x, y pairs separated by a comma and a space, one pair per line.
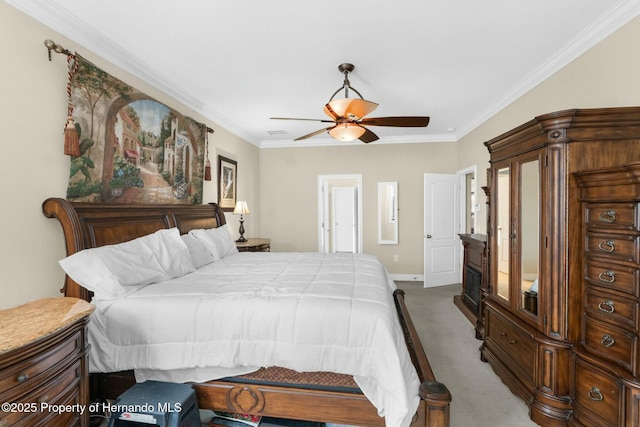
324, 183
462, 173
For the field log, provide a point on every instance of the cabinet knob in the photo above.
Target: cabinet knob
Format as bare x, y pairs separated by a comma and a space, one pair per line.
595, 394
607, 246
607, 276
608, 216
607, 340
607, 306
23, 377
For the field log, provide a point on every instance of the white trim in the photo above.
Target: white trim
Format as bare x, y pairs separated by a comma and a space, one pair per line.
407, 277
609, 23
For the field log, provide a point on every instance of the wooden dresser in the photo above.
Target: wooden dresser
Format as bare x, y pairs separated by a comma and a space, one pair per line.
44, 363
537, 338
606, 363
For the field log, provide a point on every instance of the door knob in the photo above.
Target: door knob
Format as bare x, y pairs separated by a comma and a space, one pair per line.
428, 236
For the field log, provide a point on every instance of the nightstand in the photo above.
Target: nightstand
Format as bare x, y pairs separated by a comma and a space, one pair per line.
44, 363
254, 245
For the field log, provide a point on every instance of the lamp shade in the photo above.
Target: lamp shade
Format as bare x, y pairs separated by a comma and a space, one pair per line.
349, 107
347, 132
241, 208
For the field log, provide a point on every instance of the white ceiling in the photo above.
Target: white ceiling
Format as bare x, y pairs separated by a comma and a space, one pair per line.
240, 62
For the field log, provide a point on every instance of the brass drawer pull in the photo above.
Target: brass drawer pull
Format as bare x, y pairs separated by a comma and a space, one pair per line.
512, 341
607, 276
607, 306
607, 246
595, 394
608, 216
23, 377
607, 340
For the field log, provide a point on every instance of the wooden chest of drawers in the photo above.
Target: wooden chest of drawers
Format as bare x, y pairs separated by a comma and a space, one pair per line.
606, 368
44, 363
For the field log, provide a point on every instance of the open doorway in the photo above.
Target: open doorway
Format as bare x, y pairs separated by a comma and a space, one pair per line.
340, 213
468, 199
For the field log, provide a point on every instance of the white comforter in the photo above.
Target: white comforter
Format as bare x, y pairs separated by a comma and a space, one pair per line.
302, 311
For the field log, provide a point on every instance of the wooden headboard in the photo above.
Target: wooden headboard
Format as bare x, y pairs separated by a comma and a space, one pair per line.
90, 225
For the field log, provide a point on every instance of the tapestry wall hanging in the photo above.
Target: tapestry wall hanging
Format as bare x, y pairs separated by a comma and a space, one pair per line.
133, 149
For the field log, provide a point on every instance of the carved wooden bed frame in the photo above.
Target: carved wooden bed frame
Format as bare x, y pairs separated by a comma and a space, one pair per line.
88, 225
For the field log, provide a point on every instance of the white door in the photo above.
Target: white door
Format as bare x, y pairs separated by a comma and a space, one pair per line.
345, 217
326, 233
441, 228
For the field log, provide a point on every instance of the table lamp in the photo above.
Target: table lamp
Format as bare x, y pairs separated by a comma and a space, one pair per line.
241, 209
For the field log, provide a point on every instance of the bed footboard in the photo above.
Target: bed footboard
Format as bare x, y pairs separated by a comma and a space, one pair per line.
327, 405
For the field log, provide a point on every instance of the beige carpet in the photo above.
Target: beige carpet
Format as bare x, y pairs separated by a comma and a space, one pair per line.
480, 399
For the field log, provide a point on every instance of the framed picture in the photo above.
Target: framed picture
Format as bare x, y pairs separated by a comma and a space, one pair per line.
227, 183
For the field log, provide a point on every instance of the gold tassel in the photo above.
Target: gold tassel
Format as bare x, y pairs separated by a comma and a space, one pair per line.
71, 142
207, 164
207, 171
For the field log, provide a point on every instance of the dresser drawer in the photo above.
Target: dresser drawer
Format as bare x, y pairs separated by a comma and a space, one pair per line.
32, 371
611, 307
613, 276
517, 345
596, 396
32, 409
612, 215
622, 247
611, 342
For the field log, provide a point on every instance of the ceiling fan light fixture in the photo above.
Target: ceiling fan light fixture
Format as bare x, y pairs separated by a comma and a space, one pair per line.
347, 115
346, 132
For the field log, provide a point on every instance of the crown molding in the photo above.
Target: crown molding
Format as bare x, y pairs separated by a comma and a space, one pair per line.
610, 22
67, 24
330, 142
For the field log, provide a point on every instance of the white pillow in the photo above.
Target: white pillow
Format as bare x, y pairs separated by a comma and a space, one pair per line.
199, 253
218, 241
106, 270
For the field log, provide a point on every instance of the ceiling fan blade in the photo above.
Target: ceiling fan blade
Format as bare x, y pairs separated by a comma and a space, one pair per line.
352, 108
318, 132
400, 121
368, 136
309, 120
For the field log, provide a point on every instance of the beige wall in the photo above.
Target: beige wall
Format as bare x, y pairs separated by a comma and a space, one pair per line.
33, 166
278, 184
608, 75
289, 196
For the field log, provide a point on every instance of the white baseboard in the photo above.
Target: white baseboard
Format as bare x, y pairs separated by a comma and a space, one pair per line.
407, 277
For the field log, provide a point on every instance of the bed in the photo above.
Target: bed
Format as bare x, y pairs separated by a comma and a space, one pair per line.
274, 391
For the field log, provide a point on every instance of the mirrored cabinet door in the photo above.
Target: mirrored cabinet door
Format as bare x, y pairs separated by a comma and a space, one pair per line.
516, 259
503, 233
529, 235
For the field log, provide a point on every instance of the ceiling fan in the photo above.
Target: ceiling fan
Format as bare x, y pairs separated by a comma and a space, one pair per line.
347, 115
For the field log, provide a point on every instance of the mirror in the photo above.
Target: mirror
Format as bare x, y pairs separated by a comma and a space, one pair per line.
530, 234
503, 232
388, 213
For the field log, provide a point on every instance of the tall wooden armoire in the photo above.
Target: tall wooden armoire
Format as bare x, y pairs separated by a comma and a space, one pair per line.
533, 312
